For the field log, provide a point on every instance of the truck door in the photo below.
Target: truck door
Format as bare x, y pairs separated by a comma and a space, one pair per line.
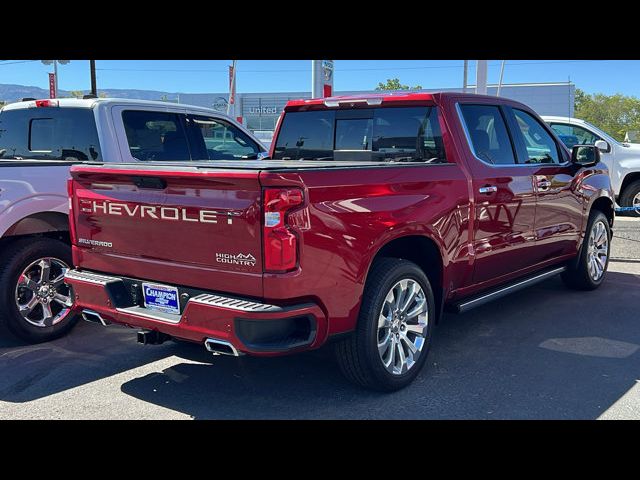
505, 204
559, 213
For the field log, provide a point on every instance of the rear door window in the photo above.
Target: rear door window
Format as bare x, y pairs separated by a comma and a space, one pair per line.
49, 133
156, 136
489, 136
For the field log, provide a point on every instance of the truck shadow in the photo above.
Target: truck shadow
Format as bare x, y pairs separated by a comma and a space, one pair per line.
547, 352
89, 353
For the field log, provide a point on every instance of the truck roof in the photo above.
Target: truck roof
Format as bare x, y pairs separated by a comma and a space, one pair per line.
93, 102
555, 118
379, 98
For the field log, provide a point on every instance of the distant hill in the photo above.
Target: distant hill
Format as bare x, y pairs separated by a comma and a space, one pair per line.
12, 93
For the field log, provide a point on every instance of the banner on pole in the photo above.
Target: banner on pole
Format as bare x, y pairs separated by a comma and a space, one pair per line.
52, 85
232, 86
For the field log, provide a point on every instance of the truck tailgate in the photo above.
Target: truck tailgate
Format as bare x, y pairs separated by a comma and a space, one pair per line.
198, 228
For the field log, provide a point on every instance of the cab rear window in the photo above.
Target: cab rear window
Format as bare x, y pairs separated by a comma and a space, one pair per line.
386, 134
50, 133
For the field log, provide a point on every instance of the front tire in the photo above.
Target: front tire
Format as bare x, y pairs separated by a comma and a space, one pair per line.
631, 198
36, 303
390, 344
589, 271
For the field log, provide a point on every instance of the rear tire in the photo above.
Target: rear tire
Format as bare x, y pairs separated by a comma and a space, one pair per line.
584, 274
391, 342
631, 197
22, 256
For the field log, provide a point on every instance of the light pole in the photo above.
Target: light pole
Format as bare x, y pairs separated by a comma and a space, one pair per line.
92, 68
501, 76
481, 77
55, 71
465, 74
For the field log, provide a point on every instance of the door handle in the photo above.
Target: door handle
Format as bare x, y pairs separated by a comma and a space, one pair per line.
543, 184
487, 189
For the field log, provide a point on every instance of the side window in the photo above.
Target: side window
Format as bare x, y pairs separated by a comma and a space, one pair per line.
488, 132
220, 140
574, 135
155, 135
540, 146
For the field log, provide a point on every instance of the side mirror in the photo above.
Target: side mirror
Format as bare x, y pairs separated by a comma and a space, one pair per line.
585, 155
603, 146
263, 156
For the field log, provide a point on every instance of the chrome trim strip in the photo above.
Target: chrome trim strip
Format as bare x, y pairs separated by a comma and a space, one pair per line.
486, 298
146, 313
234, 303
89, 277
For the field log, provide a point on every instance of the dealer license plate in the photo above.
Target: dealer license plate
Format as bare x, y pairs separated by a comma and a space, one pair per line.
161, 298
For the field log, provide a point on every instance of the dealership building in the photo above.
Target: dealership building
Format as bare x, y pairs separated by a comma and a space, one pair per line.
259, 111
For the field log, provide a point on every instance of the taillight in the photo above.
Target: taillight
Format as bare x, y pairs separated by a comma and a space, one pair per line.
47, 103
280, 243
72, 220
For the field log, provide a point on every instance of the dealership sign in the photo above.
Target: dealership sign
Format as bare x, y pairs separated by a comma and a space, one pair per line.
263, 110
220, 104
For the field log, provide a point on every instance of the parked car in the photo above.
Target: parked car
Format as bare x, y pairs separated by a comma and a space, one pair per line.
622, 159
39, 141
374, 214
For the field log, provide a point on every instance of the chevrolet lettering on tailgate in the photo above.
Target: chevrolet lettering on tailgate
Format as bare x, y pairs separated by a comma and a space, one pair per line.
150, 211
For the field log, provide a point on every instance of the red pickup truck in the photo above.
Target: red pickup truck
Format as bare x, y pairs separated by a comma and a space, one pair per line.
373, 215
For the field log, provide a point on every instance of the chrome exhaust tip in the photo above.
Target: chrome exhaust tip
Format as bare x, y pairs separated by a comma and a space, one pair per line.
220, 347
94, 317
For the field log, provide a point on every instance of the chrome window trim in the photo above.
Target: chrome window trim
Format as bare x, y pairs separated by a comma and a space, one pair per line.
500, 165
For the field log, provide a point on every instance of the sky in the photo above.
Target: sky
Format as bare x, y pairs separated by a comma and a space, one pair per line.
210, 76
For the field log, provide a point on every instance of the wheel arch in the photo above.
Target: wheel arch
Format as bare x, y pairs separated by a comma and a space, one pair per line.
422, 250
628, 179
40, 222
604, 205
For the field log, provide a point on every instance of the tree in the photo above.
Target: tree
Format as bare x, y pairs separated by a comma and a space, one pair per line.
394, 84
615, 114
76, 94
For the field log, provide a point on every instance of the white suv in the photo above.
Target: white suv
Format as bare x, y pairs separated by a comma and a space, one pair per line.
622, 159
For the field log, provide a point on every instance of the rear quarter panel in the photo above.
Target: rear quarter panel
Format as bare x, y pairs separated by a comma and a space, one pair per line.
349, 214
29, 187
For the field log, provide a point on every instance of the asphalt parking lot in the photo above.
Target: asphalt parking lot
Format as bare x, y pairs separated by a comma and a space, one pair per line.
543, 353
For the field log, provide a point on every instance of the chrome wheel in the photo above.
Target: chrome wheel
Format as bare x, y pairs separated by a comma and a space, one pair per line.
598, 250
402, 326
42, 297
636, 203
